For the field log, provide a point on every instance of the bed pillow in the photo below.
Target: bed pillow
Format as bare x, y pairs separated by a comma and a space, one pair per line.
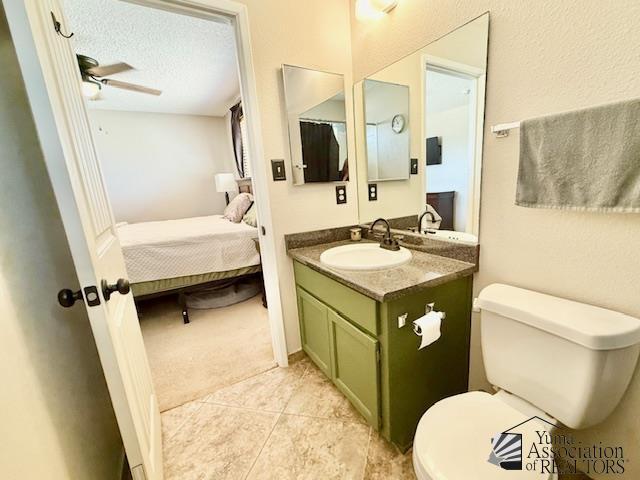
238, 207
250, 217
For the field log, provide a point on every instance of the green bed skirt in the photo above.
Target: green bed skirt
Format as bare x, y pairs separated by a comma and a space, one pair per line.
167, 284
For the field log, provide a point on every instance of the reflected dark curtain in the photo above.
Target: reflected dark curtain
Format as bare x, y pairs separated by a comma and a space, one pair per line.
236, 136
320, 152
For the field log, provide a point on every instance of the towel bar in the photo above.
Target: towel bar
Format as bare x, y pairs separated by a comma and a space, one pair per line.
502, 129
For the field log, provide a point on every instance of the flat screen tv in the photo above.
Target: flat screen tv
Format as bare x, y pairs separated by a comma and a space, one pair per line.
434, 151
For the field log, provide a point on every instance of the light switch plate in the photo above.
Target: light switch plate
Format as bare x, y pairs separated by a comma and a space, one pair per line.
414, 166
341, 194
402, 320
373, 192
277, 169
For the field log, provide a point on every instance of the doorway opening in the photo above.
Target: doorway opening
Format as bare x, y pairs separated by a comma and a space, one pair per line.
167, 103
454, 110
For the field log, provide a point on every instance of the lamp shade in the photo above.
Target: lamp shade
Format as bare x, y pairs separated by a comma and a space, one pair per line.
226, 182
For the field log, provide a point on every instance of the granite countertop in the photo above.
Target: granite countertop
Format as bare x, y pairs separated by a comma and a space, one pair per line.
425, 270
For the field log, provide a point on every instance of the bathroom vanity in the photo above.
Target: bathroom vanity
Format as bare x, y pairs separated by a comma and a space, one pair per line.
357, 328
418, 130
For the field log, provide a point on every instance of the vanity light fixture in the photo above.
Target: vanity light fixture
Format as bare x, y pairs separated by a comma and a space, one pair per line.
374, 9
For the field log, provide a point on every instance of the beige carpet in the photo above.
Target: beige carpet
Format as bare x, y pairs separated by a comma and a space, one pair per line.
218, 348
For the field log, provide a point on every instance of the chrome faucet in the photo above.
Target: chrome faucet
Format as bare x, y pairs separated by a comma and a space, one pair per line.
427, 212
388, 242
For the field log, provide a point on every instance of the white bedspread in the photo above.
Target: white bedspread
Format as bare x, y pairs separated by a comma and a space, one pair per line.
189, 246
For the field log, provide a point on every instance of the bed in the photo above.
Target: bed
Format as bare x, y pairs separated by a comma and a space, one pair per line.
172, 256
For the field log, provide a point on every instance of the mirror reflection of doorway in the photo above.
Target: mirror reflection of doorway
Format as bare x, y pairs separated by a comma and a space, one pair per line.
450, 109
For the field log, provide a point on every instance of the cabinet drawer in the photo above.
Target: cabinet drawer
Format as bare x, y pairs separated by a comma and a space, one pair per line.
358, 308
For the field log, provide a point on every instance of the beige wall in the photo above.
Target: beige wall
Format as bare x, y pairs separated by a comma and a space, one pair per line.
56, 420
160, 166
311, 34
544, 57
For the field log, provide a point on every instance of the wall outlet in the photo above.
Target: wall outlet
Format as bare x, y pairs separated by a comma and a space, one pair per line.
341, 194
373, 192
414, 166
277, 169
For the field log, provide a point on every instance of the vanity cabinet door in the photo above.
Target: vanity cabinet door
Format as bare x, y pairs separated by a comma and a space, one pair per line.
355, 366
314, 330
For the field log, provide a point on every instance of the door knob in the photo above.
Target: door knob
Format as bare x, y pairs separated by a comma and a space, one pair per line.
67, 298
121, 286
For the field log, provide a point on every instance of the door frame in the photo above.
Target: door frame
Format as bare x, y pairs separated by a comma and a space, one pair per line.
238, 16
451, 67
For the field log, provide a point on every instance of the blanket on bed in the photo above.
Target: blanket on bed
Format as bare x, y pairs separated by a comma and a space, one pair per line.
188, 246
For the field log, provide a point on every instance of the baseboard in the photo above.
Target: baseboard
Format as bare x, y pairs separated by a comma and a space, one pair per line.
296, 356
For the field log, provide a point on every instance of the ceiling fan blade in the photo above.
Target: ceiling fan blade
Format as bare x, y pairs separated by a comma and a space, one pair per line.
103, 71
130, 86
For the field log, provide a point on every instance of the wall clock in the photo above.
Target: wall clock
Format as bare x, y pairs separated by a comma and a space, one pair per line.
397, 123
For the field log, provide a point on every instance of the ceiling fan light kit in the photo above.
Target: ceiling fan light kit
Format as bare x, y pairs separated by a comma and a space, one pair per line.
90, 88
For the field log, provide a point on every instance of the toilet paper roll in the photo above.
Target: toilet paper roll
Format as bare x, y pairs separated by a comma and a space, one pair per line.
427, 328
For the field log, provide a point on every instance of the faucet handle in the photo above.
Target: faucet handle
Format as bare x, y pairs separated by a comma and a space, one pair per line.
398, 237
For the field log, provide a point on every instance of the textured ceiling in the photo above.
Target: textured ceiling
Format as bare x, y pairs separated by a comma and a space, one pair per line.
192, 60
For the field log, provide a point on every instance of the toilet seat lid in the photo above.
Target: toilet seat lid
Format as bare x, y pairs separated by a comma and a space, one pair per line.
455, 439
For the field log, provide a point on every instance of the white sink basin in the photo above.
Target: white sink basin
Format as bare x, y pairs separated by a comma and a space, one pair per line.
364, 256
460, 237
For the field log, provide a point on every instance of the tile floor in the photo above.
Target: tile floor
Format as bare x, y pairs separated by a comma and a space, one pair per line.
282, 424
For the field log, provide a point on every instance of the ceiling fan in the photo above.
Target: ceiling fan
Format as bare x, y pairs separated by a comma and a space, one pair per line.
93, 77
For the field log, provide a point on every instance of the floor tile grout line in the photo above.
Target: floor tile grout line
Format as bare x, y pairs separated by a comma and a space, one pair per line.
242, 407
295, 390
203, 398
255, 460
182, 424
366, 454
335, 419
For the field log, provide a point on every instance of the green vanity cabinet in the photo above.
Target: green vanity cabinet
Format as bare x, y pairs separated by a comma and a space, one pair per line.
354, 367
314, 330
343, 352
358, 343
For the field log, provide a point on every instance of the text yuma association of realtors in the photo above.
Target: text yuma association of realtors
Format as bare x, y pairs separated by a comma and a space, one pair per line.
557, 453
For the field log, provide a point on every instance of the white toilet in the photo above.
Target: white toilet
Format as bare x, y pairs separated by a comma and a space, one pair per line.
563, 361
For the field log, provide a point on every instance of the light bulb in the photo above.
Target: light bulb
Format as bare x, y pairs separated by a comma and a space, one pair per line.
90, 89
373, 9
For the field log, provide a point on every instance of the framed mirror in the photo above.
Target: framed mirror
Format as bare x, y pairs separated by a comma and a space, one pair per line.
316, 118
438, 93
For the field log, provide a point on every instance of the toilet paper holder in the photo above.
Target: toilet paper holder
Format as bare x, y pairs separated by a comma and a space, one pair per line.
428, 327
429, 307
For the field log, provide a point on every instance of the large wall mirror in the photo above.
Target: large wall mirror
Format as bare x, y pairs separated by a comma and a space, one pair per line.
434, 101
316, 117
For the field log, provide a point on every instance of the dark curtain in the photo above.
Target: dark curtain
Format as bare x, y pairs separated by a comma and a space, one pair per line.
236, 136
320, 152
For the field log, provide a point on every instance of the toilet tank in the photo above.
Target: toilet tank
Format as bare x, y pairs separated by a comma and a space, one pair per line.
571, 360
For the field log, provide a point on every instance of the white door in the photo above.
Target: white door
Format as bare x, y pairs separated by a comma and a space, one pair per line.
51, 75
